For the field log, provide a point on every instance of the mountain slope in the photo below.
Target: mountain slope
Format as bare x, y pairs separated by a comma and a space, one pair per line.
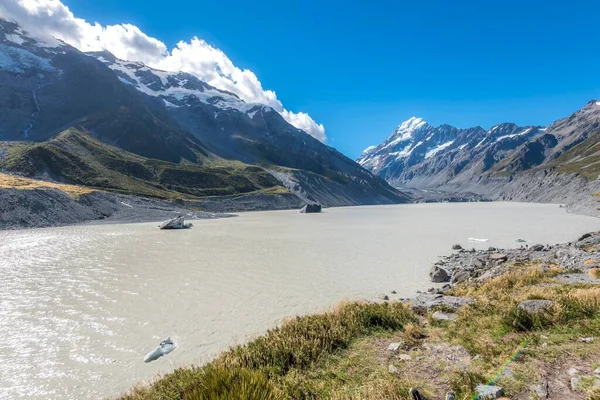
76, 157
557, 163
47, 87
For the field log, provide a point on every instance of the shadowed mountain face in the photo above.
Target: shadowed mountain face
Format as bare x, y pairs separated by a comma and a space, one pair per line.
47, 87
422, 156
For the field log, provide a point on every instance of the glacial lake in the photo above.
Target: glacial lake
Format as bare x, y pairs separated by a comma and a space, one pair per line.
80, 306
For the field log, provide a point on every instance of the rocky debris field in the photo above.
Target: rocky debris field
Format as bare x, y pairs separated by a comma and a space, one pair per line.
38, 208
466, 265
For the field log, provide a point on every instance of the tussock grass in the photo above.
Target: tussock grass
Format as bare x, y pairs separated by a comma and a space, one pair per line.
594, 273
219, 383
17, 182
295, 347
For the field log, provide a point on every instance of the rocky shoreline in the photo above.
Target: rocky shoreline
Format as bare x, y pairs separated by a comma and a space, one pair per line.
40, 208
573, 264
480, 265
466, 266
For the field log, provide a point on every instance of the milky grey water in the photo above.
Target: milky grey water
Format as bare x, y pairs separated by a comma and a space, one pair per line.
80, 306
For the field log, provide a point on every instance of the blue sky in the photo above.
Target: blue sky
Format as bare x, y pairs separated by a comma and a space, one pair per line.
361, 68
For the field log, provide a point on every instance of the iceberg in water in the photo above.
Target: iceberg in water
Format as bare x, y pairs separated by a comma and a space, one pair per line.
476, 240
165, 347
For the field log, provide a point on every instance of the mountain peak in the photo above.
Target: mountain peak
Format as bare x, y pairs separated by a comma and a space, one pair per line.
411, 124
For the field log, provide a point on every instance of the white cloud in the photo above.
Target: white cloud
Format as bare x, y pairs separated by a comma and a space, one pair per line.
128, 42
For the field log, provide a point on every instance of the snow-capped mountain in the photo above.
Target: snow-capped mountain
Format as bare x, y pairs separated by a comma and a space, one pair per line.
418, 150
49, 87
176, 89
560, 163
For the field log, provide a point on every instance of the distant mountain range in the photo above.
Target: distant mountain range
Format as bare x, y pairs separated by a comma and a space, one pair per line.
505, 162
96, 120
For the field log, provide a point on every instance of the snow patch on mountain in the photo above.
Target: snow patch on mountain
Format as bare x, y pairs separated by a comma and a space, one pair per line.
174, 88
527, 130
437, 149
17, 60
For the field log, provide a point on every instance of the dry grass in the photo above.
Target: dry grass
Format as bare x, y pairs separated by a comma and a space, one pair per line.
17, 182
594, 273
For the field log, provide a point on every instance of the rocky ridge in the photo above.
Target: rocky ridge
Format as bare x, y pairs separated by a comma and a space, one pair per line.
556, 164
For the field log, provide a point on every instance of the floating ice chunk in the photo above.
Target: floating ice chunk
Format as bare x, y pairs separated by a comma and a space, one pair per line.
164, 348
476, 240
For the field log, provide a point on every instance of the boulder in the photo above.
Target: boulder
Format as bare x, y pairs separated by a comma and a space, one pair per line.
394, 347
584, 236
425, 301
311, 208
537, 247
476, 262
441, 316
456, 247
498, 257
575, 383
438, 274
536, 306
540, 390
383, 296
460, 276
488, 392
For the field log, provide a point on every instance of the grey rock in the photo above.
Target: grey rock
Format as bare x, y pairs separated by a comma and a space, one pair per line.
537, 247
311, 208
460, 276
575, 383
488, 391
393, 369
457, 247
540, 390
438, 274
536, 306
441, 316
405, 357
572, 371
394, 347
577, 278
584, 236
476, 262
383, 296
425, 302
498, 257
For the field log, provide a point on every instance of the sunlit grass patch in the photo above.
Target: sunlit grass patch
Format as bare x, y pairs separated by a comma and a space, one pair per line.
285, 355
17, 182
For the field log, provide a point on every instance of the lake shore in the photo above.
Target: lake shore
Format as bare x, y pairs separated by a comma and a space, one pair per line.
537, 307
220, 284
41, 208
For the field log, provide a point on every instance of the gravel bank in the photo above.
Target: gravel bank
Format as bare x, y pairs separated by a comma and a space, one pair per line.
50, 207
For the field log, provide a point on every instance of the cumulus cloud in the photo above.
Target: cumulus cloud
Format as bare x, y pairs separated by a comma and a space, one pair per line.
128, 42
